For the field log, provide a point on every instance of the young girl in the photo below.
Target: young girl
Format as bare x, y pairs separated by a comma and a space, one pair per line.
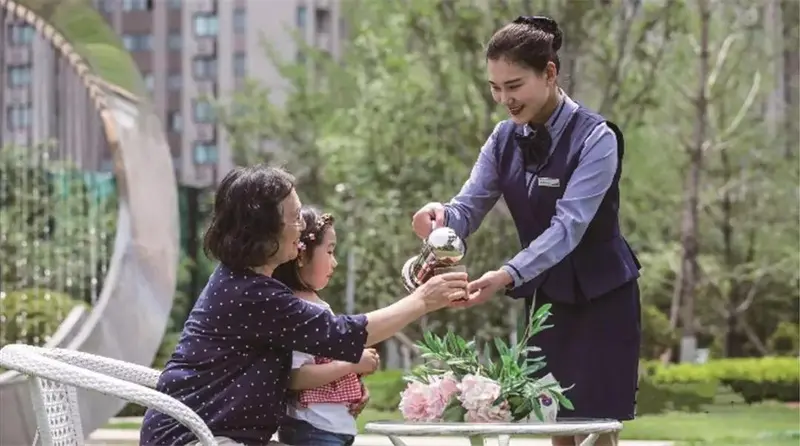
328, 394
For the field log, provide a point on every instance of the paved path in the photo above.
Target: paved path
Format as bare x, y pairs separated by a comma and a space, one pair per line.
129, 437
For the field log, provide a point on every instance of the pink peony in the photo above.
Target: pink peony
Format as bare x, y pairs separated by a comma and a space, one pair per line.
478, 394
427, 402
415, 402
445, 386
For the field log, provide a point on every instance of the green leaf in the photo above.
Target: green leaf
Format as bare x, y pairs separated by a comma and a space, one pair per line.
454, 412
563, 401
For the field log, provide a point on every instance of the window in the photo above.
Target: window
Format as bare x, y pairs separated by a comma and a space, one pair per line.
149, 81
175, 121
322, 18
203, 111
301, 16
137, 42
175, 41
135, 5
19, 116
239, 21
105, 5
205, 152
19, 75
20, 34
174, 4
239, 65
174, 82
205, 25
204, 67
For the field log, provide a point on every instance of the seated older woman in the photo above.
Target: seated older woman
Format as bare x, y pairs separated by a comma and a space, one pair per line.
233, 360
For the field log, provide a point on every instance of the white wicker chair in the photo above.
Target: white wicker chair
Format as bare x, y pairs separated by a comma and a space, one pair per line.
53, 386
126, 371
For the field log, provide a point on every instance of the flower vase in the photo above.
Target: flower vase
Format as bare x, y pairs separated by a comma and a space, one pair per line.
549, 407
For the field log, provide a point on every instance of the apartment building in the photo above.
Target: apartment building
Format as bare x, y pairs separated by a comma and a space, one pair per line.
186, 50
42, 99
189, 50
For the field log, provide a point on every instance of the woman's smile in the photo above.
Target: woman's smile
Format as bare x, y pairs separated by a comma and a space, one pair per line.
515, 110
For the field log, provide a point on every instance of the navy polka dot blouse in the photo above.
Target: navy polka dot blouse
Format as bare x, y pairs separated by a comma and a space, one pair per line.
232, 362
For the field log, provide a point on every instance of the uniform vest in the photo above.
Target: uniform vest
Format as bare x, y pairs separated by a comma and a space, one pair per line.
603, 260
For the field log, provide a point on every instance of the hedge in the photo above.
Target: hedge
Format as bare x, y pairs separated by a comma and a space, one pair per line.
755, 379
30, 316
384, 389
684, 387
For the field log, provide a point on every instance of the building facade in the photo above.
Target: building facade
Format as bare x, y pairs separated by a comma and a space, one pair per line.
187, 51
43, 99
191, 50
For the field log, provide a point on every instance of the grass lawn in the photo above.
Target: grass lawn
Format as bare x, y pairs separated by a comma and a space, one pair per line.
756, 425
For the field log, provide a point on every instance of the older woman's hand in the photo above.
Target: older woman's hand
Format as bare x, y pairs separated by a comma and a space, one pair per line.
442, 289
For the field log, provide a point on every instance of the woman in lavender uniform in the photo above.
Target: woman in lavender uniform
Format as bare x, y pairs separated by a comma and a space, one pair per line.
557, 165
232, 362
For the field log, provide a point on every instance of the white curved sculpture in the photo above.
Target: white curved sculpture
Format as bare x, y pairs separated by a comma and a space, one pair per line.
130, 317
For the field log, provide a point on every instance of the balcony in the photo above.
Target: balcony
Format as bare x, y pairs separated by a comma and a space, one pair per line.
206, 88
324, 41
204, 5
17, 55
206, 132
207, 46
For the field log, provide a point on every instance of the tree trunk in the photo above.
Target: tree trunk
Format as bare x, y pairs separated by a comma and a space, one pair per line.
790, 15
690, 220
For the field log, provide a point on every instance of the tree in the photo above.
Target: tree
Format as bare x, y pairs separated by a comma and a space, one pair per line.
690, 216
398, 121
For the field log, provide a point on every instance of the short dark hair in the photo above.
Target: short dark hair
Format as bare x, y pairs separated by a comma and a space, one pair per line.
247, 221
316, 224
528, 41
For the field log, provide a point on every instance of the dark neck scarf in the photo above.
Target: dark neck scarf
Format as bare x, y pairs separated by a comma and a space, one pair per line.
535, 146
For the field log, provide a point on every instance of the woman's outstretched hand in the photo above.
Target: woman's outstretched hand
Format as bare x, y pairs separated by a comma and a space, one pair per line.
441, 290
483, 288
425, 218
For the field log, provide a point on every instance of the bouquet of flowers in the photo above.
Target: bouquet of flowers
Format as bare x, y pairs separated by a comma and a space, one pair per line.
456, 384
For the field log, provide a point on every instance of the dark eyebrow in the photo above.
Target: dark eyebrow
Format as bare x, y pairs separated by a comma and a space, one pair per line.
509, 82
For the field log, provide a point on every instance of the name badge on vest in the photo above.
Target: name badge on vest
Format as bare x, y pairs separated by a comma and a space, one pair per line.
548, 182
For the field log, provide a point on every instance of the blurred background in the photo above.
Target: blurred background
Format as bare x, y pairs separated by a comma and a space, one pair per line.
379, 107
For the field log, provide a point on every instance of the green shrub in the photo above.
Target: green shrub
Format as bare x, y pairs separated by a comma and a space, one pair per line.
30, 316
755, 379
657, 335
384, 389
785, 340
657, 395
132, 410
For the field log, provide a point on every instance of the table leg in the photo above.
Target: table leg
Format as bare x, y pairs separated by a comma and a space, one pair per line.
476, 440
396, 441
503, 440
590, 440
